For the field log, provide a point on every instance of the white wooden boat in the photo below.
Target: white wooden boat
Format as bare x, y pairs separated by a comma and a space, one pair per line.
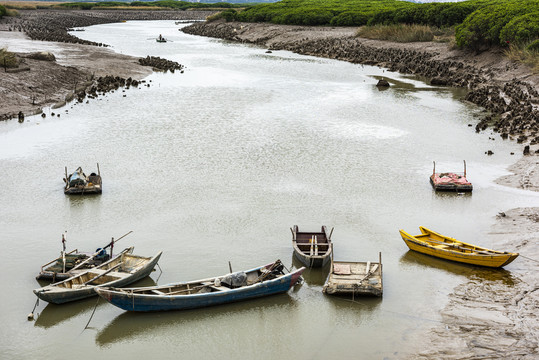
119, 271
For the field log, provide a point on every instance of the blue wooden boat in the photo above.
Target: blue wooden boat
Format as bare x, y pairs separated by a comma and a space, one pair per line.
261, 281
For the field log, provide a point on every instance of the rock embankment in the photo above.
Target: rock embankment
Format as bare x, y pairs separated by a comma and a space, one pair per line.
512, 103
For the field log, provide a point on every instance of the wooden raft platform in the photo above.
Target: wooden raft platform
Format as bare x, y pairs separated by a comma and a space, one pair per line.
355, 278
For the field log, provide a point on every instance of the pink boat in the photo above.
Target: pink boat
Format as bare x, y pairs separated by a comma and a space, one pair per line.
450, 181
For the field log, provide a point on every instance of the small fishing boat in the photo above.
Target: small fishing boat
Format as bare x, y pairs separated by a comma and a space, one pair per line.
355, 278
79, 183
161, 39
313, 249
261, 281
120, 271
72, 263
434, 244
449, 181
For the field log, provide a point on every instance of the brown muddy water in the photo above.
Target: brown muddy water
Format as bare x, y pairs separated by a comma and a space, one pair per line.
215, 165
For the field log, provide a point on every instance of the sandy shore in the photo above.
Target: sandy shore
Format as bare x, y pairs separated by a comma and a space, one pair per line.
491, 316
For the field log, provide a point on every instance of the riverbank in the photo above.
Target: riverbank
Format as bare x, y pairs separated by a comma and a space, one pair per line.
77, 64
493, 314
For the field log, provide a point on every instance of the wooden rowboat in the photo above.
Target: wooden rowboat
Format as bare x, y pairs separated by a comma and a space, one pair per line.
449, 181
71, 264
313, 249
120, 271
355, 278
434, 244
261, 281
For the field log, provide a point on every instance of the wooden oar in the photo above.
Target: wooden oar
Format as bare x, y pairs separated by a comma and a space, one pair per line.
105, 273
460, 247
97, 252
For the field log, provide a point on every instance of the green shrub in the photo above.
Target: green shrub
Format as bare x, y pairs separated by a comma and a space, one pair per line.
228, 15
521, 29
484, 26
8, 59
2, 11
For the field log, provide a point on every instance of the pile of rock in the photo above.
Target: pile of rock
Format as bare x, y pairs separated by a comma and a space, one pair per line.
161, 64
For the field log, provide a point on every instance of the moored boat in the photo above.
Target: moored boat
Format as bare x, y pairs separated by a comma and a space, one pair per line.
72, 263
445, 247
120, 271
355, 278
261, 281
78, 183
313, 249
449, 181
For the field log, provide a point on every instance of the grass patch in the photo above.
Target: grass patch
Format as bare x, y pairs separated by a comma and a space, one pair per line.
8, 59
398, 33
524, 54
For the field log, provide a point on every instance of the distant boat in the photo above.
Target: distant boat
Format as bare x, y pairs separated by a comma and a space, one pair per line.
449, 181
161, 39
434, 244
355, 278
120, 271
261, 281
79, 183
313, 249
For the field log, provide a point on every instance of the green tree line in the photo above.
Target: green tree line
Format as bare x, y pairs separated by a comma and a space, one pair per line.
478, 23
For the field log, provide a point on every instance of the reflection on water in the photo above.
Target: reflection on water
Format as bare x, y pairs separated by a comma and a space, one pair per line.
54, 314
130, 325
414, 258
313, 276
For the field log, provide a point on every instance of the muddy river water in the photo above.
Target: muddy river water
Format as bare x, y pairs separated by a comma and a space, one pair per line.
215, 165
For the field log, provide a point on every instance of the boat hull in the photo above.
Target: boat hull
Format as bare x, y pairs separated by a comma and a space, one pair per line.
59, 295
312, 261
148, 303
312, 249
494, 260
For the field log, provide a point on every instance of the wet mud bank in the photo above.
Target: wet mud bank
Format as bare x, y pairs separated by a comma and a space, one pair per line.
91, 67
507, 91
492, 314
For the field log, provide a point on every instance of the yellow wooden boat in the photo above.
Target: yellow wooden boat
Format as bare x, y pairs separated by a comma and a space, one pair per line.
434, 244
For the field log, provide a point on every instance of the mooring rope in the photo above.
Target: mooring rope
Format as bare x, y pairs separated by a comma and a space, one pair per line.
525, 257
93, 312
